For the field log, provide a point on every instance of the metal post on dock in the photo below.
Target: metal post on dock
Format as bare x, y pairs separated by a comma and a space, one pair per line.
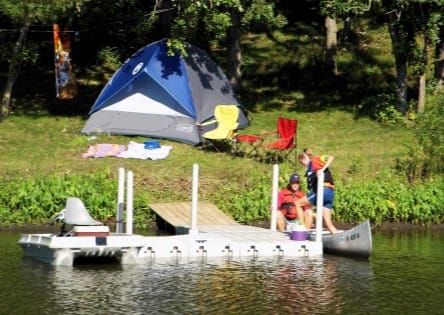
120, 200
319, 206
274, 194
129, 203
194, 197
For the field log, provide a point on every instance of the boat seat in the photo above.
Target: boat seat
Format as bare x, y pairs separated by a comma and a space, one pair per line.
95, 230
77, 214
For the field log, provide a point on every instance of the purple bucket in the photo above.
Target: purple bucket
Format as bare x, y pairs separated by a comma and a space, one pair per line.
299, 235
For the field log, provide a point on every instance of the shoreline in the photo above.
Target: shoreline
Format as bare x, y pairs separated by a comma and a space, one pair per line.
43, 228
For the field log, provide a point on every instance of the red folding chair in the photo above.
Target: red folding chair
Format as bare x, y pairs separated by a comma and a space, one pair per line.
246, 145
285, 144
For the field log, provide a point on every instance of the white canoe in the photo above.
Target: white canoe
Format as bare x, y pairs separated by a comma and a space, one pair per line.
356, 242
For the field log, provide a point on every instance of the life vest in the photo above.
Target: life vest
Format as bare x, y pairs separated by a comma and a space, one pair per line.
315, 164
288, 207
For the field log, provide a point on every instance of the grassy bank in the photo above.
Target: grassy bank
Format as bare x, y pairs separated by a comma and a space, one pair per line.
42, 156
38, 146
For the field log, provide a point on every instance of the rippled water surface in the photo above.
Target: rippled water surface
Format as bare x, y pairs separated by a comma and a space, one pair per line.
404, 275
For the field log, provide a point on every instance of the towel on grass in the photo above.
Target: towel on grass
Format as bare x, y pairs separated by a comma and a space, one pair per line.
137, 151
103, 149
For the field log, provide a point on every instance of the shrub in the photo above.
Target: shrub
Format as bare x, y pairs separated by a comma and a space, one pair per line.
382, 108
251, 203
424, 158
38, 200
390, 199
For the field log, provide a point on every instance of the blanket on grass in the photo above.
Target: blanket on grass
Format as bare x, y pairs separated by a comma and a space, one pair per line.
103, 150
134, 150
137, 151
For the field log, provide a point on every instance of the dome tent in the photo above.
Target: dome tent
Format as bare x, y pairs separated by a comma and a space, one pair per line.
157, 95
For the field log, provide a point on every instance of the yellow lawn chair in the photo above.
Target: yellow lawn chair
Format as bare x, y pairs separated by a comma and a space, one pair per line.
226, 117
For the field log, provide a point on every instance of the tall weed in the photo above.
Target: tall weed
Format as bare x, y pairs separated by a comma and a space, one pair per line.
385, 199
25, 201
390, 200
249, 204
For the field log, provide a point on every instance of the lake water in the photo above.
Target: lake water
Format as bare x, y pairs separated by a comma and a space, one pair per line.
403, 276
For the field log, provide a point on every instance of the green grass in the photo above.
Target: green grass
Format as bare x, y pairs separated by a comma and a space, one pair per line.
44, 145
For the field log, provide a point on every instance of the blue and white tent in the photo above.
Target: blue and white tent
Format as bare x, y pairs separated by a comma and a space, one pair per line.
162, 96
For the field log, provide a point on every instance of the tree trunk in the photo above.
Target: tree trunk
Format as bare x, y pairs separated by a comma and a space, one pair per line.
423, 75
346, 30
331, 44
165, 16
13, 72
422, 93
401, 66
439, 69
234, 52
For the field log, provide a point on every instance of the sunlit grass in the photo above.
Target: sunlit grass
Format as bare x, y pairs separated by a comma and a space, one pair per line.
33, 147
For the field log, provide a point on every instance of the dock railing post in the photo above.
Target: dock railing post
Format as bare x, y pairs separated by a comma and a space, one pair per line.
129, 203
194, 197
120, 200
319, 206
274, 193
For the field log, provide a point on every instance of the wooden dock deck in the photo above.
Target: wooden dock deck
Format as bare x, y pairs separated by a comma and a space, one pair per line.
178, 214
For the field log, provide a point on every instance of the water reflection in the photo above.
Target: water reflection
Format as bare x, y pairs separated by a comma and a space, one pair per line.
272, 286
409, 265
403, 275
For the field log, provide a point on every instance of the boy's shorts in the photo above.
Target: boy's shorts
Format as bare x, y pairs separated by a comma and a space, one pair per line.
329, 196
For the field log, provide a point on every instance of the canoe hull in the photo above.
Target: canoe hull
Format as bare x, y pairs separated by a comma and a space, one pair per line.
356, 242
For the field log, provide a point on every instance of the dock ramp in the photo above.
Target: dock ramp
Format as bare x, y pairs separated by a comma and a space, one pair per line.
178, 214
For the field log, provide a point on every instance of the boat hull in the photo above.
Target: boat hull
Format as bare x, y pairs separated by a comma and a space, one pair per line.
356, 242
56, 250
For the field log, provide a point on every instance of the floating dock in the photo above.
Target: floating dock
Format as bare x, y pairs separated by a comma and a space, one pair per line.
229, 241
202, 231
221, 236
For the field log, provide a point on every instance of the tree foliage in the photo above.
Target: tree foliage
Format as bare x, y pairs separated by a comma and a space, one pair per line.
221, 24
24, 13
412, 22
204, 20
123, 26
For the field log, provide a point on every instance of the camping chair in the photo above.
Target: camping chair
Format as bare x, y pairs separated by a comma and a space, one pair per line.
247, 145
226, 118
281, 148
